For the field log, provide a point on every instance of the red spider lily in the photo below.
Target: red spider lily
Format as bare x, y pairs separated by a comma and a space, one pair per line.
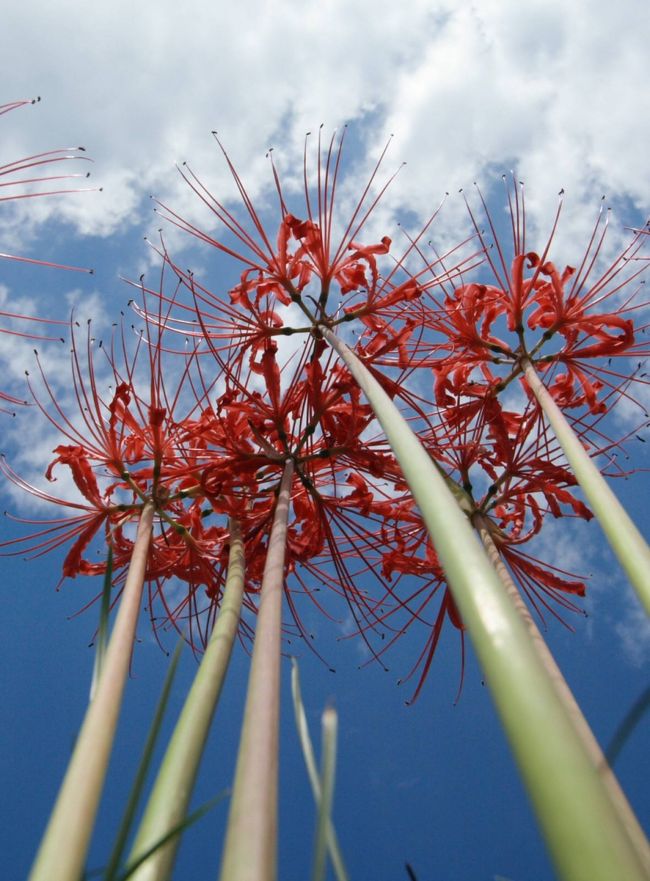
309, 410
123, 450
128, 435
535, 306
507, 463
408, 552
314, 417
504, 469
310, 272
97, 511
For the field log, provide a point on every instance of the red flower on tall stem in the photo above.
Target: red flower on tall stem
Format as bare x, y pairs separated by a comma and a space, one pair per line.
507, 474
529, 307
124, 450
309, 411
315, 271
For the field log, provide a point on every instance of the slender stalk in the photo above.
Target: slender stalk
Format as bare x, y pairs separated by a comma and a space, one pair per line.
584, 831
177, 830
169, 799
102, 631
250, 846
112, 870
328, 770
580, 724
632, 718
64, 846
312, 771
622, 534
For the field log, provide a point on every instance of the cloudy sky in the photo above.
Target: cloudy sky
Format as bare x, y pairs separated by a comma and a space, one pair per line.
554, 90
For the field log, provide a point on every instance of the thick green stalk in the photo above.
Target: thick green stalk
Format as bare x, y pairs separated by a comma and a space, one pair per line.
250, 847
580, 724
583, 829
625, 539
169, 799
63, 850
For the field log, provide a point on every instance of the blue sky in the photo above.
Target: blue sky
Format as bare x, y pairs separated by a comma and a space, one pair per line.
468, 93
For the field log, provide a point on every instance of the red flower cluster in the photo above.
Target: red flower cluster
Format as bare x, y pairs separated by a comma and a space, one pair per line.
557, 319
250, 397
204, 454
315, 271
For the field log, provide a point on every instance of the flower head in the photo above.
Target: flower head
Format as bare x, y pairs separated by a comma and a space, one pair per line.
316, 270
571, 322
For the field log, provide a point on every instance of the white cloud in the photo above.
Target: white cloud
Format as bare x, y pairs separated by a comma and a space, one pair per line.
142, 86
634, 632
464, 88
546, 93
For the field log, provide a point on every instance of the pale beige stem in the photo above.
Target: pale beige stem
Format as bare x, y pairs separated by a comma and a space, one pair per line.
251, 838
580, 724
62, 854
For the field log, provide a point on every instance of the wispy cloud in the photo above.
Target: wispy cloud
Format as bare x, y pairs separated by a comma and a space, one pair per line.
464, 89
634, 631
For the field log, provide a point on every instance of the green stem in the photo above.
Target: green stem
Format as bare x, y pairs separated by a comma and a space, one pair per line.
625, 539
580, 724
62, 852
250, 846
169, 799
585, 834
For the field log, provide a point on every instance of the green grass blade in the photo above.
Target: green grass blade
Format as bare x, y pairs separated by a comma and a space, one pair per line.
632, 718
328, 771
310, 761
112, 868
177, 830
102, 631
